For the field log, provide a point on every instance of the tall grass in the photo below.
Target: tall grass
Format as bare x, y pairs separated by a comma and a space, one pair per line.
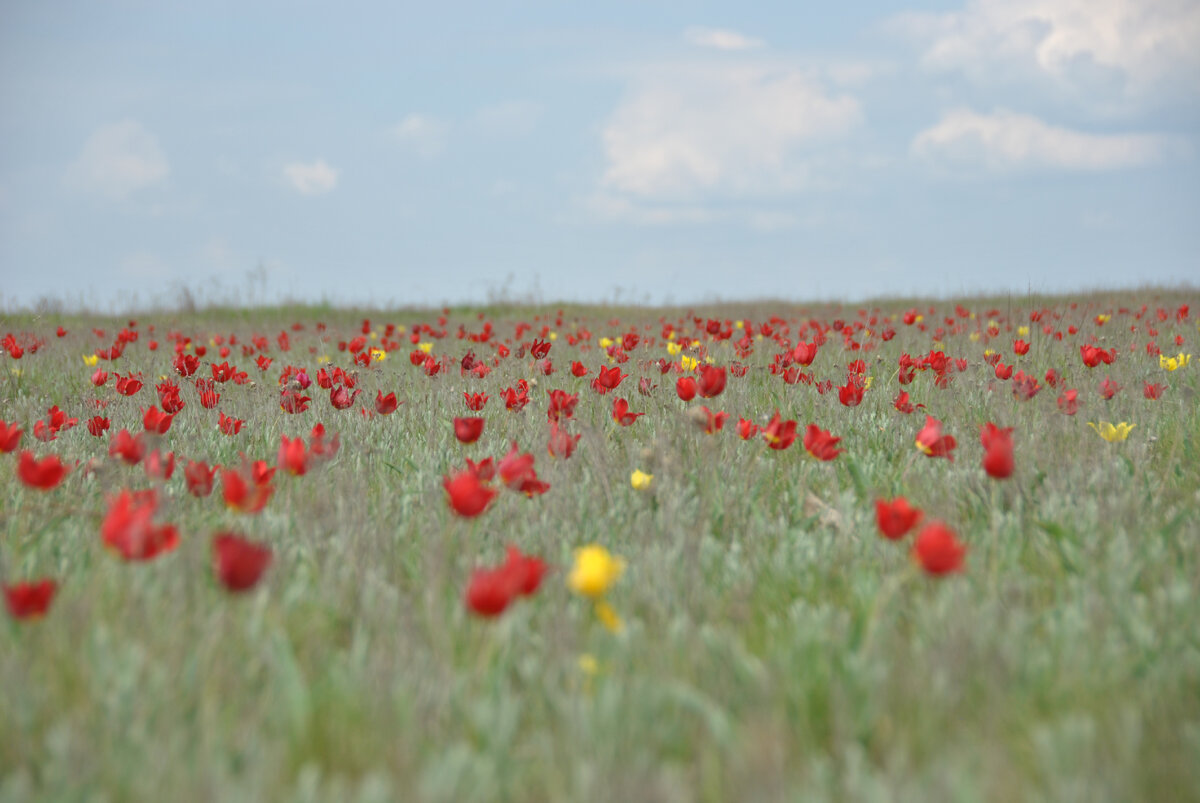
775, 647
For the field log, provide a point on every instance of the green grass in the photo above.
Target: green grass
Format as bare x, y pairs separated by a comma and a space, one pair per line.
775, 647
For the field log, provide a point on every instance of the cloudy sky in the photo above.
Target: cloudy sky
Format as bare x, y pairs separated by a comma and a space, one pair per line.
662, 151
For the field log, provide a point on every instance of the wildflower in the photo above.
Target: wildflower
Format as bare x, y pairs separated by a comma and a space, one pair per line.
10, 436
821, 444
931, 441
158, 467
1068, 402
562, 443
712, 382
98, 425
208, 393
341, 398
128, 530
90, 360
640, 480
747, 429
44, 474
1174, 363
100, 377
243, 494
293, 458
515, 469
562, 405
594, 572
386, 405
468, 430
230, 425
199, 478
895, 518
1112, 433
804, 353
238, 563
779, 434
130, 448
489, 592
709, 421
686, 388
1108, 388
185, 364
29, 600
539, 349
607, 379
938, 549
621, 414
475, 401
851, 394
466, 495
1153, 392
998, 450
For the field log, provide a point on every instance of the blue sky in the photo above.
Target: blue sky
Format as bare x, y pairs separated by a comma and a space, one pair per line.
671, 152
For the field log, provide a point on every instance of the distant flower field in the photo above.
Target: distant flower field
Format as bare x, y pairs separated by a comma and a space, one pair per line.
914, 551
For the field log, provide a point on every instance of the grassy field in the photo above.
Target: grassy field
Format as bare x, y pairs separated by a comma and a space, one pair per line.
771, 646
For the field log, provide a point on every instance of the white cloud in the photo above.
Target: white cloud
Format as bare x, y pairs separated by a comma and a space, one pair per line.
1005, 140
1135, 47
117, 160
423, 133
314, 178
691, 131
721, 39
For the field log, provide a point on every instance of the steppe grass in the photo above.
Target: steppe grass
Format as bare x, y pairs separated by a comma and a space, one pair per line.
774, 648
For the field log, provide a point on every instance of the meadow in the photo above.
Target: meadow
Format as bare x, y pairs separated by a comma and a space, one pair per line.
612, 593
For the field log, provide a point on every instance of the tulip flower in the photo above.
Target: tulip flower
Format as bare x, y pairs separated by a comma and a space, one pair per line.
562, 443
594, 572
466, 495
29, 600
293, 458
931, 441
1112, 433
938, 550
127, 528
199, 478
998, 451
44, 474
621, 414
229, 425
821, 444
10, 436
468, 430
475, 401
1174, 363
243, 494
386, 405
895, 518
779, 434
238, 563
1068, 402
640, 480
712, 382
685, 388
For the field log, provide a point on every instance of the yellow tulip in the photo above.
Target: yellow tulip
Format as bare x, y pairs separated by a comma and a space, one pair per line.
688, 363
425, 347
1110, 433
594, 572
1174, 363
90, 359
674, 348
640, 480
606, 342
1022, 331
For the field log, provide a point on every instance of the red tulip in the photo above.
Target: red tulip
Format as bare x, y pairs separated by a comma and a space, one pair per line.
158, 467
607, 379
100, 377
804, 353
468, 430
562, 405
238, 563
747, 429
43, 474
820, 443
1108, 388
562, 443
712, 381
229, 425
515, 469
10, 436
711, 422
128, 530
779, 434
98, 426
938, 549
292, 456
199, 478
1068, 402
341, 398
475, 401
1153, 392
851, 393
998, 451
484, 470
466, 494
686, 388
208, 393
526, 571
931, 441
621, 414
578, 369
895, 518
244, 494
30, 600
489, 592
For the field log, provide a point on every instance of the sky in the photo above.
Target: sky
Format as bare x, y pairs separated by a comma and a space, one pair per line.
397, 154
